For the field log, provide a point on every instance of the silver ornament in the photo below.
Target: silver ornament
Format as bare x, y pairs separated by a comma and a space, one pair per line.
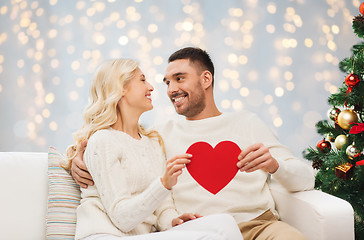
352, 152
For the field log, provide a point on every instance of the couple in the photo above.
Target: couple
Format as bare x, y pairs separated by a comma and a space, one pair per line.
135, 190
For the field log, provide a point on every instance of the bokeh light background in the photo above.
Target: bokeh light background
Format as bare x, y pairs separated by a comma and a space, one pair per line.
277, 58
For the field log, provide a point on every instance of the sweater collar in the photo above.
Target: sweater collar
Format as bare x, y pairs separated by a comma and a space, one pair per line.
201, 122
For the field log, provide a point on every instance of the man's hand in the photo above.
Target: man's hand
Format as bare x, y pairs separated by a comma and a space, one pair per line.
174, 169
79, 170
255, 157
184, 218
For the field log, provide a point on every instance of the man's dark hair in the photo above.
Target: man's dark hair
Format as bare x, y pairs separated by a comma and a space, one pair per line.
195, 55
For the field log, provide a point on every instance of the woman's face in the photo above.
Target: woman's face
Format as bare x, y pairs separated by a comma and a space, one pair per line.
137, 92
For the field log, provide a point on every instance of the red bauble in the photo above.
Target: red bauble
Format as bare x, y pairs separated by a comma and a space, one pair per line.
361, 8
324, 146
351, 80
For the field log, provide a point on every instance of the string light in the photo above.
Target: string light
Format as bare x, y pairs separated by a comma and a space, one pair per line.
264, 53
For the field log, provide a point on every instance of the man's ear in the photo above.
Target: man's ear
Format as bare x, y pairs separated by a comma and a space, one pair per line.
206, 79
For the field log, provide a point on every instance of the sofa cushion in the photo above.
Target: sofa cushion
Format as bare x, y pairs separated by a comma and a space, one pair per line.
63, 199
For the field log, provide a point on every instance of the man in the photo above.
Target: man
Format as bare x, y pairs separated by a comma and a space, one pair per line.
189, 78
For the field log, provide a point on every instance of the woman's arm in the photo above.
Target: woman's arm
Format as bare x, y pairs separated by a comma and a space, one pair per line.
104, 164
165, 213
124, 209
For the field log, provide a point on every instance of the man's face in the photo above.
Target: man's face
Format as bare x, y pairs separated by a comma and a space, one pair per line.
184, 88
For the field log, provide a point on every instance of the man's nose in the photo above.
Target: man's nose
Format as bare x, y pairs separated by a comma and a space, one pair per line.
172, 87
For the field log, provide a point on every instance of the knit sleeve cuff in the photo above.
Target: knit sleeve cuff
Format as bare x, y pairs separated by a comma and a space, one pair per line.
165, 219
295, 175
157, 191
280, 171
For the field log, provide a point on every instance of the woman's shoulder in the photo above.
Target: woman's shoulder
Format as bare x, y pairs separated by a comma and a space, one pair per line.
100, 136
102, 133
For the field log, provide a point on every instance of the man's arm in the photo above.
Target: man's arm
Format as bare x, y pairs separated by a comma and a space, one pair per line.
268, 154
79, 170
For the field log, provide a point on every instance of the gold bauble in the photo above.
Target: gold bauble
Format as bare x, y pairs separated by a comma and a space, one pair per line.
341, 141
346, 117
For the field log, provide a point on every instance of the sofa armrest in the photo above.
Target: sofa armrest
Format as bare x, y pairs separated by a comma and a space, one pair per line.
316, 214
24, 192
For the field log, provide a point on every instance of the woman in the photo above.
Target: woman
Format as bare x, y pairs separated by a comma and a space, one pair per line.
131, 194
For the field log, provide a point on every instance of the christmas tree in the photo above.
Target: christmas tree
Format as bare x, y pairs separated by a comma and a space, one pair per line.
339, 156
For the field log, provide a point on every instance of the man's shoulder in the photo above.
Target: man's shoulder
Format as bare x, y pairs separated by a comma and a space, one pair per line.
241, 115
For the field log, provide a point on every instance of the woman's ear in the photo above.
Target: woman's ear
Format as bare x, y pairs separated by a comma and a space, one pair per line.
125, 89
206, 78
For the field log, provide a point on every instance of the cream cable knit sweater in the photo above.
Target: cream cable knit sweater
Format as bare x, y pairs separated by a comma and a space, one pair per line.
128, 196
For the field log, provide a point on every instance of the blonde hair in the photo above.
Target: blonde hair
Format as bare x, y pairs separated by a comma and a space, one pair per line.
105, 92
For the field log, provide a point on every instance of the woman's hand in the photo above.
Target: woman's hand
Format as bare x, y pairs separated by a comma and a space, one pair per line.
184, 218
174, 169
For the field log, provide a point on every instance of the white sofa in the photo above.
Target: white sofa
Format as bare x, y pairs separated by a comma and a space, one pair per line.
24, 191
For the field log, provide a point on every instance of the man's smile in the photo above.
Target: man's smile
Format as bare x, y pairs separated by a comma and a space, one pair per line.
177, 100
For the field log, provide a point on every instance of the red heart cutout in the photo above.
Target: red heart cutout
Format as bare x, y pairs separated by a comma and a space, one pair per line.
213, 168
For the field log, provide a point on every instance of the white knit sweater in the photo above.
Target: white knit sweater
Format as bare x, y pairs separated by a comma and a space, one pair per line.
128, 196
248, 194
